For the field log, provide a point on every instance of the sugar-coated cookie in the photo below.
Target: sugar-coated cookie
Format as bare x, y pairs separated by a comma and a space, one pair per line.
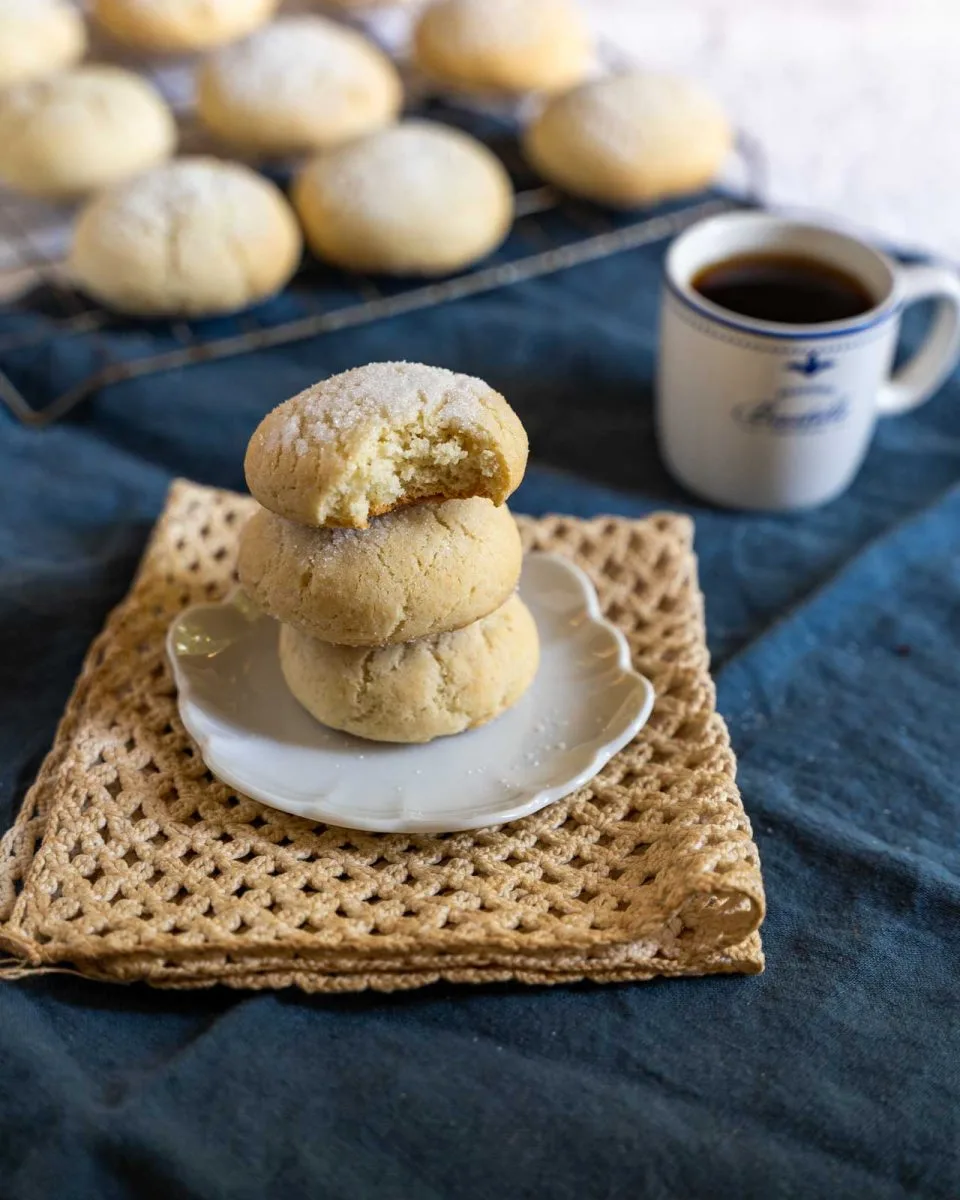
420, 690
418, 198
382, 436
630, 139
421, 570
38, 37
504, 45
361, 5
192, 238
302, 83
172, 26
81, 130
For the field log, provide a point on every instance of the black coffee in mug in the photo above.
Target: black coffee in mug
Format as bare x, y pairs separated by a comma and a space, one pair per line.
789, 288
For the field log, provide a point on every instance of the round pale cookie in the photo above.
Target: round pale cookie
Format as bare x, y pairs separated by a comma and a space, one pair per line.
362, 5
302, 83
82, 130
416, 199
193, 238
383, 436
420, 690
172, 26
504, 45
415, 572
630, 139
38, 37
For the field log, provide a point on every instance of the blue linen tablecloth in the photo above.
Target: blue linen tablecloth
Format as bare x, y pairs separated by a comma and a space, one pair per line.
836, 645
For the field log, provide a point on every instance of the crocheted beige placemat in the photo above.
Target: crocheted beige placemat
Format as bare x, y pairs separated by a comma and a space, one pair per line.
129, 861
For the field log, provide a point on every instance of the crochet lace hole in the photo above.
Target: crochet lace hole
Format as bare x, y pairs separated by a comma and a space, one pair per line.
203, 865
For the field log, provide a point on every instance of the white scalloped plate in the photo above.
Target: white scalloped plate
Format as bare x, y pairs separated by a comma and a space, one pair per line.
585, 704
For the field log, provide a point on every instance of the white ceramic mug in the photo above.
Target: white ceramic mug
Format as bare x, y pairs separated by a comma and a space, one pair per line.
760, 414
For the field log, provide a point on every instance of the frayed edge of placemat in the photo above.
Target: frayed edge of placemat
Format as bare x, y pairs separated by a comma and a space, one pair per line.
607, 540
744, 959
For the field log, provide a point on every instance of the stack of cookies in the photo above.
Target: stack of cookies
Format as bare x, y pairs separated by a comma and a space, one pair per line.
385, 549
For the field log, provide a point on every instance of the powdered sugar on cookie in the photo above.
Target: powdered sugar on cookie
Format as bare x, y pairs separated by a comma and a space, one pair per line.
381, 436
301, 83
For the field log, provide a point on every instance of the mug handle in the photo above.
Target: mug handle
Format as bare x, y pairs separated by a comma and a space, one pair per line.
922, 374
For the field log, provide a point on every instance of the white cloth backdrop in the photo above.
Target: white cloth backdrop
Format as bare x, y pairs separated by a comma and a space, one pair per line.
856, 103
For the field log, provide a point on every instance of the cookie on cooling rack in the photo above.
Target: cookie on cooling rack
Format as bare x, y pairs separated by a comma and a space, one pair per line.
81, 130
504, 45
630, 139
420, 690
179, 26
418, 198
419, 571
303, 83
383, 436
195, 237
38, 37
365, 5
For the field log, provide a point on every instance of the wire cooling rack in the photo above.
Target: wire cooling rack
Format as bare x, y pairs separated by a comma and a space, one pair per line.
59, 347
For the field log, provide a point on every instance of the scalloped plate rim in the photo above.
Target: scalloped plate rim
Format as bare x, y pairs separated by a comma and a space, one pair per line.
620, 729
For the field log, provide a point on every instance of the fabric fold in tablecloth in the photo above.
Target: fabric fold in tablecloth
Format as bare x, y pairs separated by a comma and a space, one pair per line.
835, 642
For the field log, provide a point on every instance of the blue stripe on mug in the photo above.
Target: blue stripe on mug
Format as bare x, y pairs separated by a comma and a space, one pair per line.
770, 331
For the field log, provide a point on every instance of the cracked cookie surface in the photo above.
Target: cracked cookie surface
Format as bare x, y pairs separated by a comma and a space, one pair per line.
178, 26
78, 131
378, 437
38, 37
422, 570
420, 690
504, 45
302, 83
193, 238
629, 139
419, 198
